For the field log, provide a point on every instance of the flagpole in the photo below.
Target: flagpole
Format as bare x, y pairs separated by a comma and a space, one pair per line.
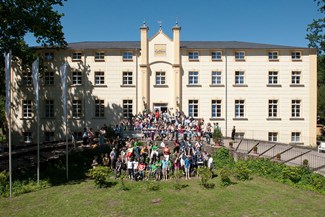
63, 72
8, 112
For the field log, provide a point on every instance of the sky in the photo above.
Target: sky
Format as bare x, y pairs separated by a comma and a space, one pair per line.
278, 22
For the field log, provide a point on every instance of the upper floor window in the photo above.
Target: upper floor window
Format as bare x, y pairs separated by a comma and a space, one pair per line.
99, 56
296, 55
49, 108
99, 108
127, 108
76, 78
216, 55
193, 77
48, 78
216, 108
193, 55
27, 79
273, 55
99, 78
273, 77
216, 77
239, 55
295, 108
239, 77
27, 108
295, 77
128, 55
76, 109
239, 108
160, 78
273, 108
127, 78
76, 56
49, 56
193, 108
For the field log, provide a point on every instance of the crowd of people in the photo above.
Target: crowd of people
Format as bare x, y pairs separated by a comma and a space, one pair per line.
171, 143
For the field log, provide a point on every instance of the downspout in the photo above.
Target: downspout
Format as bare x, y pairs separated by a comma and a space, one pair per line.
136, 82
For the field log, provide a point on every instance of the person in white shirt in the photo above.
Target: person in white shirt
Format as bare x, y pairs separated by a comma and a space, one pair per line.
210, 165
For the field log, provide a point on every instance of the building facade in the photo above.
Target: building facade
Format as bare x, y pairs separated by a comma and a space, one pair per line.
267, 91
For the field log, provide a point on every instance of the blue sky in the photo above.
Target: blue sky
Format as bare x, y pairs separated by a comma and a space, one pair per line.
281, 22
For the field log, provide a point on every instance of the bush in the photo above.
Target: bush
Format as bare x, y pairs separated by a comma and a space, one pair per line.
205, 175
241, 171
99, 173
291, 173
224, 175
318, 181
177, 176
3, 183
223, 158
153, 186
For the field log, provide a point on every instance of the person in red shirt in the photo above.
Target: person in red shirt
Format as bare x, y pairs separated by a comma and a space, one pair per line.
166, 152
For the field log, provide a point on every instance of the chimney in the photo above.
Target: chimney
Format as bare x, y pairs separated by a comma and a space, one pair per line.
144, 44
176, 40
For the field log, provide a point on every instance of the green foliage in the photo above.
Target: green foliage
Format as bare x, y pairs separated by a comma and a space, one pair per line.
241, 171
100, 174
321, 103
153, 186
318, 181
292, 174
224, 175
123, 186
217, 135
223, 158
205, 175
177, 177
3, 182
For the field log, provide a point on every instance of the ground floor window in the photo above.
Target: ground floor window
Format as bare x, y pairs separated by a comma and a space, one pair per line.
48, 136
273, 137
27, 137
193, 108
76, 109
295, 137
127, 108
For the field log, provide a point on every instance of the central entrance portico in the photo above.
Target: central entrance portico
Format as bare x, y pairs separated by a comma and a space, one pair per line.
162, 107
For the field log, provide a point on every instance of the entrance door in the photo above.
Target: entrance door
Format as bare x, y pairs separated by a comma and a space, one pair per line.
162, 107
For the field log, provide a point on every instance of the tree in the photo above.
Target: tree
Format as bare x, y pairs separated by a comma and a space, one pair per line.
316, 37
19, 17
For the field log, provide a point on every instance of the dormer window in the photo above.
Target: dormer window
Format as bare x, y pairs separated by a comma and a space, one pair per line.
273, 55
76, 56
296, 55
240, 55
216, 55
127, 56
99, 56
49, 56
193, 55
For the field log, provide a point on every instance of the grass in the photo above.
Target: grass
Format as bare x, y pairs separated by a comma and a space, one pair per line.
256, 197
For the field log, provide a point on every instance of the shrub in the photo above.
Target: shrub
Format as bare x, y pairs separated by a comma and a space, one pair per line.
224, 175
123, 186
205, 175
153, 186
241, 171
177, 176
291, 173
318, 181
3, 183
99, 173
223, 158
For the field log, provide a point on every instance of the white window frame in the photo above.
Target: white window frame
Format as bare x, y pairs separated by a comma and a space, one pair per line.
76, 108
295, 136
296, 55
27, 108
216, 108
76, 56
216, 55
99, 78
239, 77
28, 137
273, 136
273, 55
193, 55
99, 56
127, 78
160, 78
296, 108
239, 55
193, 108
296, 77
193, 77
48, 78
273, 108
127, 55
76, 78
273, 78
216, 77
99, 108
239, 108
27, 79
127, 108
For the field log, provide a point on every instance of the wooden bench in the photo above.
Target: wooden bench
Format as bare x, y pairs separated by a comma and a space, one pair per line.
321, 147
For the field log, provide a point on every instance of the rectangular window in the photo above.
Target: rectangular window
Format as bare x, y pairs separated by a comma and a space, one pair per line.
49, 56
27, 137
295, 77
27, 108
49, 108
127, 108
273, 108
193, 78
239, 135
76, 56
216, 77
127, 56
239, 77
295, 136
273, 55
239, 108
273, 77
193, 108
99, 56
193, 55
76, 109
27, 79
296, 55
48, 78
127, 78
99, 108
216, 109
273, 137
76, 78
99, 78
48, 136
216, 55
160, 78
295, 108
240, 55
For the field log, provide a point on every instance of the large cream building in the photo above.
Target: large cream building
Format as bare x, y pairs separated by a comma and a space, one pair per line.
267, 91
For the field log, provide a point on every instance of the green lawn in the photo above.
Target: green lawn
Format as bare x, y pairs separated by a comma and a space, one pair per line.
257, 197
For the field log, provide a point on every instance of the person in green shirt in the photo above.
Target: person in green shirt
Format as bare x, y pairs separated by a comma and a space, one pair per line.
154, 152
158, 170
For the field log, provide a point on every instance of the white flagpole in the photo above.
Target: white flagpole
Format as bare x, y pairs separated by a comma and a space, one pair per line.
63, 73
35, 72
8, 112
